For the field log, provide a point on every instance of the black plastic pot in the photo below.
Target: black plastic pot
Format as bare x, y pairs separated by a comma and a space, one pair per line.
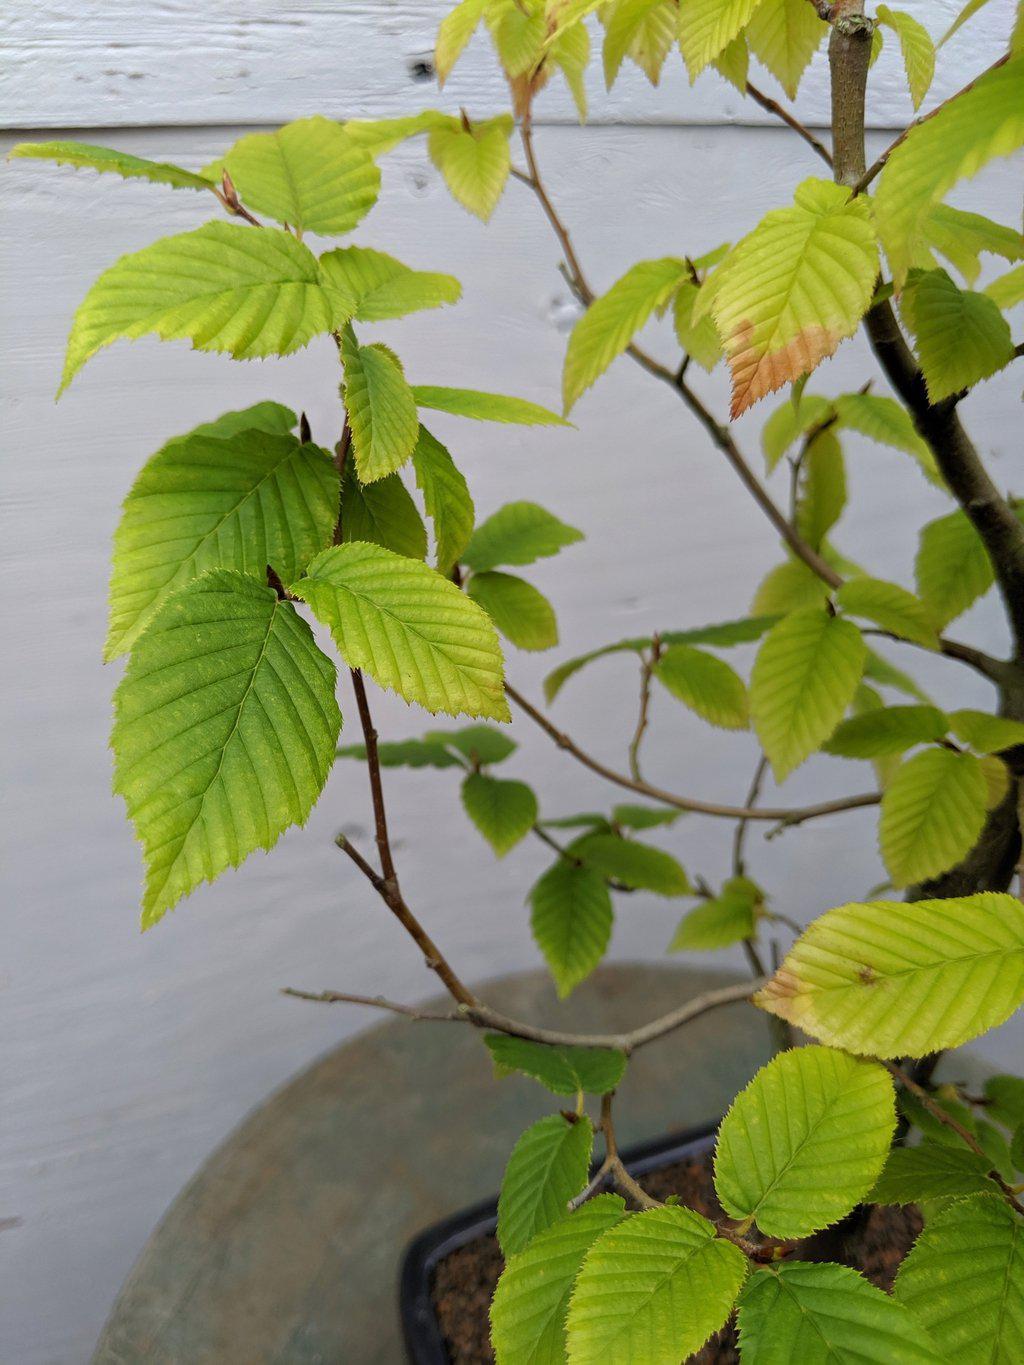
424, 1344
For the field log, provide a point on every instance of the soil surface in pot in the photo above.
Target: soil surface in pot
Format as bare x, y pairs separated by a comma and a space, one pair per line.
873, 1241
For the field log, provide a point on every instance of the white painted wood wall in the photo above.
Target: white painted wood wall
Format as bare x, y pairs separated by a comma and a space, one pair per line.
125, 1059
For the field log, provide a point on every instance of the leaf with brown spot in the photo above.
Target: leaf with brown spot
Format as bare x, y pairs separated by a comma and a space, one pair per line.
794, 288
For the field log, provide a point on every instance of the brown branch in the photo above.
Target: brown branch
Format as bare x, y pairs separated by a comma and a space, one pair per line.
954, 1126
646, 673
613, 1162
796, 815
377, 1001
738, 868
774, 107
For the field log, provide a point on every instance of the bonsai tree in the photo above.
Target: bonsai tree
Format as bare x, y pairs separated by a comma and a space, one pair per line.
238, 533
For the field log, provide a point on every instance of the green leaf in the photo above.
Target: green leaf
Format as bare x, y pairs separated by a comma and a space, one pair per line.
634, 864
706, 684
107, 159
570, 52
643, 30
887, 730
446, 497
479, 743
652, 1290
962, 337
964, 1281
777, 1160
611, 322
1017, 1147
518, 533
405, 753
904, 978
790, 586
413, 631
968, 12
629, 816
308, 174
223, 287
952, 567
791, 420
724, 919
784, 35
486, 407
571, 921
698, 339
917, 48
457, 27
734, 63
563, 1070
723, 634
1008, 289
518, 31
984, 121
381, 408
796, 286
474, 162
532, 1298
522, 614
377, 287
225, 725
988, 734
804, 678
820, 1314
707, 27
203, 502
504, 812
932, 813
548, 1166
382, 513
933, 1170
961, 237
378, 136
1006, 1099
891, 607
272, 417
887, 422
884, 673
822, 488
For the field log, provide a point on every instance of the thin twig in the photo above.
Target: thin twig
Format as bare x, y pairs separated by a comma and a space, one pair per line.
377, 1001
620, 1176
646, 672
774, 107
796, 815
738, 869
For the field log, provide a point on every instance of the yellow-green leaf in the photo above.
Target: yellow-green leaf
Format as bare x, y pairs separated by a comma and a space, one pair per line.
457, 27
706, 684
891, 607
522, 613
375, 286
118, 163
474, 161
503, 811
784, 35
932, 813
571, 918
707, 27
917, 48
547, 1167
952, 567
381, 408
446, 497
962, 337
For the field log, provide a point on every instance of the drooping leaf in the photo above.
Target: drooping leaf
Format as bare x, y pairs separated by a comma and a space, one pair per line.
309, 174
522, 613
791, 420
962, 237
380, 406
570, 52
997, 780
932, 813
518, 533
547, 1167
481, 744
967, 12
457, 27
531, 1301
962, 337
486, 407
784, 35
699, 340
888, 422
776, 1158
563, 1070
932, 1170
984, 121
917, 48
734, 63
652, 1290
571, 921
891, 607
107, 159
446, 497
1008, 289
518, 31
224, 287
706, 684
821, 1314
952, 567
988, 734
821, 494
381, 513
795, 287
378, 286
474, 161
224, 731
1005, 1095
242, 501
790, 586
887, 730
977, 1313
726, 918
503, 811
636, 865
413, 631
629, 816
611, 322
904, 978
381, 135
405, 753
803, 679
643, 30
707, 27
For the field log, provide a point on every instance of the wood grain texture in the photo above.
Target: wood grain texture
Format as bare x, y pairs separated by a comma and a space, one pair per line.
125, 63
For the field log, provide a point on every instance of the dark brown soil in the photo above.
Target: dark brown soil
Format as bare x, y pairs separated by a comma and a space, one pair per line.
873, 1240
